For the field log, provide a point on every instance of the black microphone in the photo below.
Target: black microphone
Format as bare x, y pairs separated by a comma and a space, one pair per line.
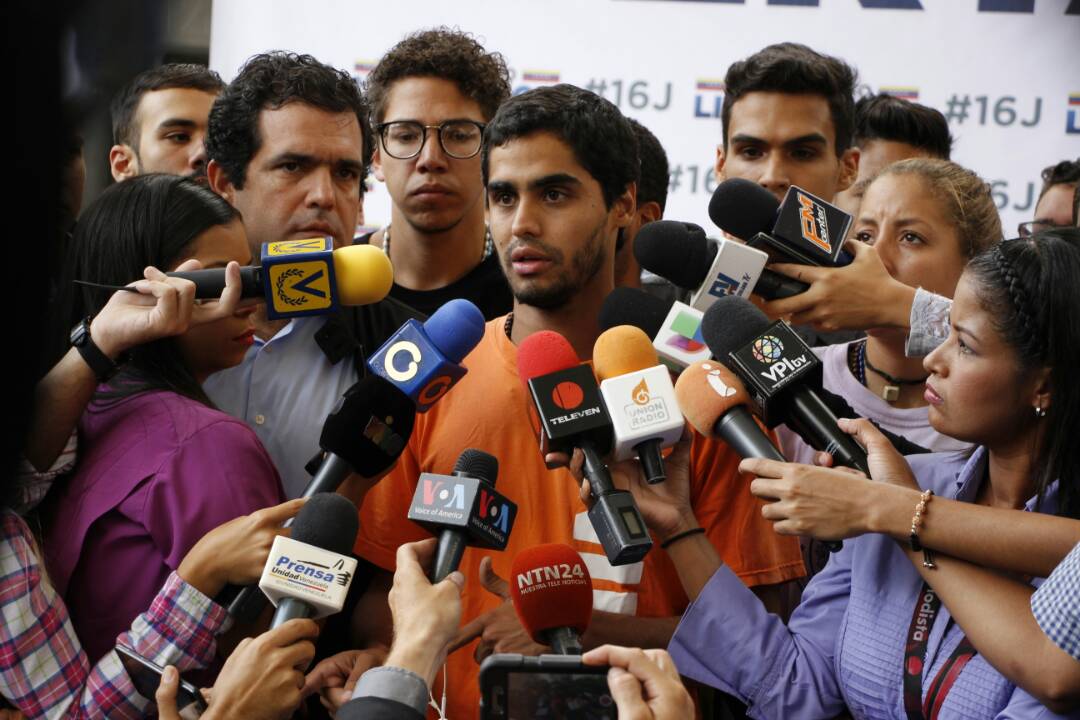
463, 509
571, 415
803, 229
328, 523
781, 372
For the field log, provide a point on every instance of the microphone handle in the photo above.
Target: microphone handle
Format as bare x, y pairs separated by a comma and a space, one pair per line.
596, 471
652, 461
771, 285
291, 608
563, 640
210, 282
811, 415
737, 428
331, 473
448, 554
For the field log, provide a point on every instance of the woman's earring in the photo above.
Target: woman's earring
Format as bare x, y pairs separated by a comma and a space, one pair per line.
1040, 411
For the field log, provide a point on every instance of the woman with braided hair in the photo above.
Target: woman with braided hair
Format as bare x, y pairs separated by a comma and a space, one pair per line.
890, 628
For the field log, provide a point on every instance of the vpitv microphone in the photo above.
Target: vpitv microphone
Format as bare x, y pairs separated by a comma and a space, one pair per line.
552, 594
308, 575
424, 360
803, 229
639, 396
680, 252
781, 373
675, 328
715, 403
305, 277
571, 415
463, 509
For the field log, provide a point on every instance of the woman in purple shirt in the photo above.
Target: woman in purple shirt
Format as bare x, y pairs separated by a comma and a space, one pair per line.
158, 465
870, 634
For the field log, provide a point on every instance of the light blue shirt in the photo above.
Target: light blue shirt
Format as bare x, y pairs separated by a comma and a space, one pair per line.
284, 389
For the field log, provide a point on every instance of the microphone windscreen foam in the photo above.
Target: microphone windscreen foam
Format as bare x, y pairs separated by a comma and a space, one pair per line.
328, 521
730, 323
742, 208
676, 251
543, 353
706, 391
455, 328
370, 427
633, 306
622, 349
551, 588
363, 274
478, 464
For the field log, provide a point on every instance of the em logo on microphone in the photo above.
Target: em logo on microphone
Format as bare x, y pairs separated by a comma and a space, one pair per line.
815, 226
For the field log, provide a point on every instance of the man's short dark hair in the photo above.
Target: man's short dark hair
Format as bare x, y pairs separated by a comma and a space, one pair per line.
652, 184
164, 77
443, 53
269, 82
600, 136
884, 117
1065, 172
795, 69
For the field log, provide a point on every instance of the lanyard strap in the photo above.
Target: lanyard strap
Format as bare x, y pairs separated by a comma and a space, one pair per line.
927, 607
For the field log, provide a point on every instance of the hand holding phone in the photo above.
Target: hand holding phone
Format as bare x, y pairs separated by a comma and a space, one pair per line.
643, 683
515, 687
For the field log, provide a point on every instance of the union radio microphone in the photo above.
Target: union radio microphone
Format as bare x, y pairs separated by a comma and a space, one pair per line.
571, 414
304, 277
463, 509
781, 373
803, 229
715, 402
680, 252
639, 396
308, 575
552, 594
674, 328
423, 360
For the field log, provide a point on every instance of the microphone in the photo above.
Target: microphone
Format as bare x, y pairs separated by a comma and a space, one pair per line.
424, 360
463, 509
715, 403
675, 328
781, 372
551, 589
308, 575
304, 277
639, 396
571, 414
680, 252
803, 229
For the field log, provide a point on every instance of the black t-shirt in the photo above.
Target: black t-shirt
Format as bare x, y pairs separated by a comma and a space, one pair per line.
484, 286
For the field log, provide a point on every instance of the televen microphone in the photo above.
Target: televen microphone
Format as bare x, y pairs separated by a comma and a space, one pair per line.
552, 593
571, 414
463, 509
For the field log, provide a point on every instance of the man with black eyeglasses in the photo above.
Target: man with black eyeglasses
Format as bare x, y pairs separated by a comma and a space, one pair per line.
1055, 206
431, 96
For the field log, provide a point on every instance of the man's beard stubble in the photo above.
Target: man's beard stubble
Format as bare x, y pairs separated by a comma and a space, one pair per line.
584, 265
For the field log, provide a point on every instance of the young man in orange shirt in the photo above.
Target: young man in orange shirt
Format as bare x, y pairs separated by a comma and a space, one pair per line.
559, 168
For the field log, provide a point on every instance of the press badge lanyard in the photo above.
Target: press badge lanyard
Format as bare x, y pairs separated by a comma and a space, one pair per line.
927, 607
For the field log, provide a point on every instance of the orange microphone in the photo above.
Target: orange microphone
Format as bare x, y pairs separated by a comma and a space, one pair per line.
715, 402
552, 593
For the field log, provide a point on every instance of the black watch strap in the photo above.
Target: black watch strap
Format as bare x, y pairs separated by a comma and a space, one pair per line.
99, 362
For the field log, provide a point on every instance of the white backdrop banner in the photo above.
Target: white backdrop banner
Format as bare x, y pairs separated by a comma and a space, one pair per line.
1002, 71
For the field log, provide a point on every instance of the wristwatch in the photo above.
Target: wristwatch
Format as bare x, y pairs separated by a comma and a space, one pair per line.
99, 362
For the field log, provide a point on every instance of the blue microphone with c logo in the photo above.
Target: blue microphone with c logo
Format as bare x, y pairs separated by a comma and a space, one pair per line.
424, 360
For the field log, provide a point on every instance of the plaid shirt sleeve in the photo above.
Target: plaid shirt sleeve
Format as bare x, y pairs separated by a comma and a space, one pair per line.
1056, 604
929, 323
43, 669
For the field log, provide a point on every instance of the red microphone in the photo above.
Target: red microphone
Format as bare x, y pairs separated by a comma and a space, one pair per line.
552, 593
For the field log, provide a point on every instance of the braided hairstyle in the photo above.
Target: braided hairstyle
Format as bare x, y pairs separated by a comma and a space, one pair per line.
1029, 287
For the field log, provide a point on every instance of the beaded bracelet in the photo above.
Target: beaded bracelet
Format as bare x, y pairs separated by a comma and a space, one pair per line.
916, 523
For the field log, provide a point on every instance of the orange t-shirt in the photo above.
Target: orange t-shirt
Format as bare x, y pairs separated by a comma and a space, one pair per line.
488, 410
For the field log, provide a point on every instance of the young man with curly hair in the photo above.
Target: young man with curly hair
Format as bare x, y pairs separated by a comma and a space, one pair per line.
431, 96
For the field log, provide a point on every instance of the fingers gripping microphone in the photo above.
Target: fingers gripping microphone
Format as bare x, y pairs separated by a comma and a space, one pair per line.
424, 360
781, 373
571, 414
305, 277
639, 396
681, 253
715, 402
308, 575
675, 328
463, 509
552, 594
